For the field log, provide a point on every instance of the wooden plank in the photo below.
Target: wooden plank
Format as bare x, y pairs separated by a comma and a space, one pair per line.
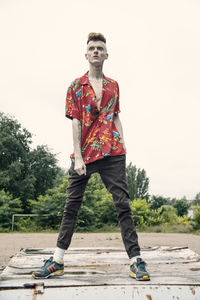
105, 266
129, 292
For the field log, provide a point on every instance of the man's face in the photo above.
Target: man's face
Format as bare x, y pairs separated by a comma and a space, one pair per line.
96, 53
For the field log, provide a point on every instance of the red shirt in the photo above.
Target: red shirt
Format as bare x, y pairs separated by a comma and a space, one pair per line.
99, 135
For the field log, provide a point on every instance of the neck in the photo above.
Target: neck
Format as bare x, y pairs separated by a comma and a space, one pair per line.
95, 72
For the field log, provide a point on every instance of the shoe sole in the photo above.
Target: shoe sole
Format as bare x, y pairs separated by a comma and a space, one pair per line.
143, 278
57, 273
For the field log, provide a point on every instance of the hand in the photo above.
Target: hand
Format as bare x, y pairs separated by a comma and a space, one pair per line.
79, 166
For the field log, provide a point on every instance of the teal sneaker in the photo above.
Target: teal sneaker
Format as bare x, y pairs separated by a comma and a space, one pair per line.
138, 270
50, 268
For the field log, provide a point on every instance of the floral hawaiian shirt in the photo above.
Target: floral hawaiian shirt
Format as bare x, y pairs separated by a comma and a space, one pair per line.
99, 135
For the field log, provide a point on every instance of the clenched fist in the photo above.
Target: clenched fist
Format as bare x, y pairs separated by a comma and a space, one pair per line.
79, 166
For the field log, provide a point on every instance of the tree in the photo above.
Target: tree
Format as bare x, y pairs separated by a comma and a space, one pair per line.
14, 141
24, 173
158, 201
138, 183
181, 206
197, 199
44, 169
14, 159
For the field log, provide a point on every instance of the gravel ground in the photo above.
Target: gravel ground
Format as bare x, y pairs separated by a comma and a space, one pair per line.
11, 243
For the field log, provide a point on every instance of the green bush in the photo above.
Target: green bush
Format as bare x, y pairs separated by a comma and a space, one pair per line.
168, 214
183, 220
26, 224
52, 204
99, 203
154, 218
86, 219
8, 207
197, 217
104, 210
140, 211
143, 215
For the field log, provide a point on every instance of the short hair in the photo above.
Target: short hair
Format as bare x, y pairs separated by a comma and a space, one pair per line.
93, 36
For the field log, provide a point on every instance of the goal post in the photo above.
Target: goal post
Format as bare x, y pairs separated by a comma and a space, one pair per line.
25, 215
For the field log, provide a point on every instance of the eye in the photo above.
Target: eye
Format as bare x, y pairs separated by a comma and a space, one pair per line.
91, 48
100, 48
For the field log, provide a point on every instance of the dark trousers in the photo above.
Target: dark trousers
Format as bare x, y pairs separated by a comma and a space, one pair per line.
112, 170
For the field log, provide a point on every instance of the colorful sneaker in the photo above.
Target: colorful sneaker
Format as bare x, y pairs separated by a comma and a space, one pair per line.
138, 270
50, 268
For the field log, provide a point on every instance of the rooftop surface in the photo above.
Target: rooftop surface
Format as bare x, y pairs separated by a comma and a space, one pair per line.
175, 272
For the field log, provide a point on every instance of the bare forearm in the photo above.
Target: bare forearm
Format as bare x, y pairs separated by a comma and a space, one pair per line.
79, 165
76, 129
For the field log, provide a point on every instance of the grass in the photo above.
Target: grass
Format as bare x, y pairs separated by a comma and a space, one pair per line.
169, 228
162, 228
105, 229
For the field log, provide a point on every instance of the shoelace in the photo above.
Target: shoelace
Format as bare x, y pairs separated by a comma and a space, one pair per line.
47, 260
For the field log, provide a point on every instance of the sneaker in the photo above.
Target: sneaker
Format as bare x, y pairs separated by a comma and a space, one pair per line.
138, 270
50, 268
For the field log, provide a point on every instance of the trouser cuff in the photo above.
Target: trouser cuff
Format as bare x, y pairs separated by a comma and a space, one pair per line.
134, 254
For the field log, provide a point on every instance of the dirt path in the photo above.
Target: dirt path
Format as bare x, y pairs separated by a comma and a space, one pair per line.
11, 243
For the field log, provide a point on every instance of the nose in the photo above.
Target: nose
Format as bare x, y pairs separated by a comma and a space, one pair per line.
95, 51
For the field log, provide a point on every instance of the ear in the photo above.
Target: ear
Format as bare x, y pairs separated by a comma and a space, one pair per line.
107, 55
86, 56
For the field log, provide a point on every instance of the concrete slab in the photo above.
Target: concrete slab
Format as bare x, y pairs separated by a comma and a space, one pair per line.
89, 271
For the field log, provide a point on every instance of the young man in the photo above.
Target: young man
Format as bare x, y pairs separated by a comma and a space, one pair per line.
93, 105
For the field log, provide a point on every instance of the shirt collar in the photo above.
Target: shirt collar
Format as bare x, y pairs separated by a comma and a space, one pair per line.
85, 80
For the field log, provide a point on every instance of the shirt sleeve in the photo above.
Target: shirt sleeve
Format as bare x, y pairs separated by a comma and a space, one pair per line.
117, 106
72, 108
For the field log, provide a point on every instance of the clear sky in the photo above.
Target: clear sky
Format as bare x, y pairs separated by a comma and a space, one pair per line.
154, 54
